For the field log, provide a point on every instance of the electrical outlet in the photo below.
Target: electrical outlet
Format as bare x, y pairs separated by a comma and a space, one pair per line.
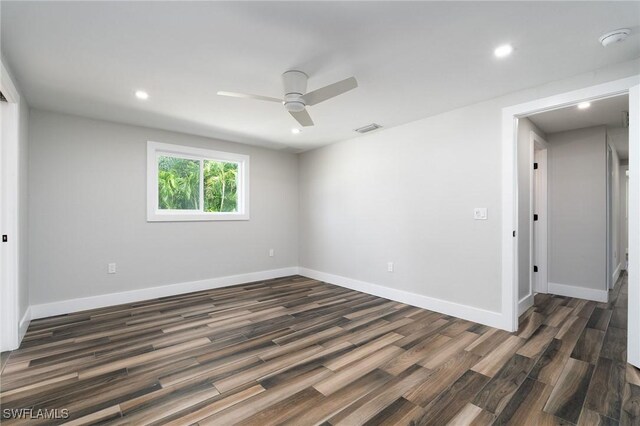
389, 266
480, 213
272, 252
111, 268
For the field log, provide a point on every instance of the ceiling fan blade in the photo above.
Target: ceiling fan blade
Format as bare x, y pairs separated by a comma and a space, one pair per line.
330, 91
302, 117
249, 96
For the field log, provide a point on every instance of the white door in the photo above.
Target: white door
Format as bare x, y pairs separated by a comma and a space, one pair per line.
8, 226
540, 218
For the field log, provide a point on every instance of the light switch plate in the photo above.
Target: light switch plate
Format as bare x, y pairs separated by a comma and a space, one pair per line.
480, 213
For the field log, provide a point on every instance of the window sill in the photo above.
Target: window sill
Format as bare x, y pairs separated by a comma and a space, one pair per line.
195, 217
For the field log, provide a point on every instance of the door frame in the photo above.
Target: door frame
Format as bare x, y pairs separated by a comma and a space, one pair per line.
609, 215
9, 269
509, 273
538, 235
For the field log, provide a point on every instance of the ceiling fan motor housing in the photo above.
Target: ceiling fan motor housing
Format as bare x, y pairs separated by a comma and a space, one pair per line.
295, 86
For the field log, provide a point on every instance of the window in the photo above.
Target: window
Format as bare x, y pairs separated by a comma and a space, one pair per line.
185, 183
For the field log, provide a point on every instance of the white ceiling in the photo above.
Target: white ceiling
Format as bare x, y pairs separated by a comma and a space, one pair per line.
604, 112
412, 59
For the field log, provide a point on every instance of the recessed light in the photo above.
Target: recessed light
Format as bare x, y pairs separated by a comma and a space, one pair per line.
295, 131
141, 94
584, 105
503, 51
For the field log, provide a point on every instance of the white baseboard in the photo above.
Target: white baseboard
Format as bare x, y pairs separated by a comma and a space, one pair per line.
616, 274
24, 324
81, 304
482, 316
579, 292
525, 303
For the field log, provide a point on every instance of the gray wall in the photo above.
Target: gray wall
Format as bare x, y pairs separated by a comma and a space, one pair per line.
577, 207
406, 194
525, 163
87, 208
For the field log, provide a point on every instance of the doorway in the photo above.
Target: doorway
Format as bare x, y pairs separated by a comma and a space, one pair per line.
510, 240
586, 143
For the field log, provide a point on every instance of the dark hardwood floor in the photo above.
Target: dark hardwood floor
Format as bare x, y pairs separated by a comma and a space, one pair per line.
297, 351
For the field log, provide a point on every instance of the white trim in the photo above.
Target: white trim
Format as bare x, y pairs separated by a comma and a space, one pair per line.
490, 318
609, 209
633, 268
156, 215
509, 222
81, 304
617, 272
525, 303
457, 310
510, 194
24, 323
579, 292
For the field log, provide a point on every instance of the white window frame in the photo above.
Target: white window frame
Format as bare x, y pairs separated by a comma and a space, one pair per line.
157, 149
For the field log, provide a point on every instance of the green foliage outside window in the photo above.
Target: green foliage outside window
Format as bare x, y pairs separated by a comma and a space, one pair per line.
179, 184
220, 186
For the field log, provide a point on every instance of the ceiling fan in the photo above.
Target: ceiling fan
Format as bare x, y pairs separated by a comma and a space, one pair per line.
296, 97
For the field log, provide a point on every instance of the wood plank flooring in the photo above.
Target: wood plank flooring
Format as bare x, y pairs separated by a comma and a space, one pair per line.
297, 351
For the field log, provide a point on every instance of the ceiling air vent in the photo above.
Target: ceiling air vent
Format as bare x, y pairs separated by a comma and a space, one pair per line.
368, 128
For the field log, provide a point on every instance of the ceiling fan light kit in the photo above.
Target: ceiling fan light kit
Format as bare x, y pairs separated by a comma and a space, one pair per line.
296, 99
295, 85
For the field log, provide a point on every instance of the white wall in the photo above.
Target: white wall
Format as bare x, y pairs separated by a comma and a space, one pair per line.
525, 163
87, 208
577, 208
406, 194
